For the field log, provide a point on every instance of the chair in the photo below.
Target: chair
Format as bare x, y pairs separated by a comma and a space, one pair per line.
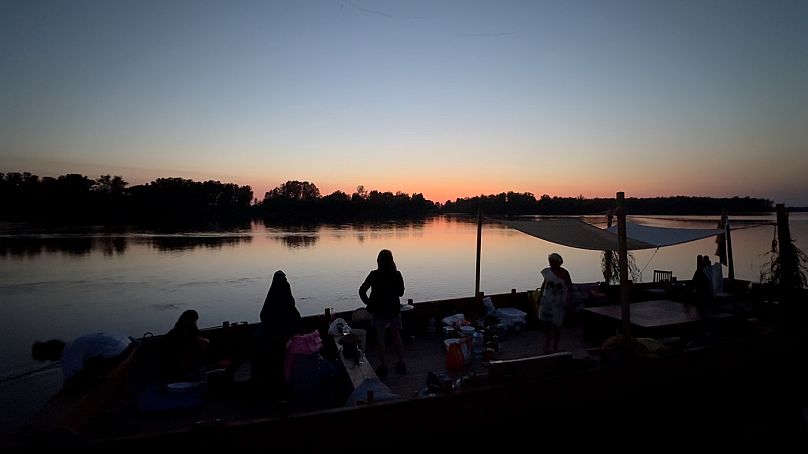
663, 276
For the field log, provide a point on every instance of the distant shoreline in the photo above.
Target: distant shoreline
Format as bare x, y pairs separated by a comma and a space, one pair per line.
73, 200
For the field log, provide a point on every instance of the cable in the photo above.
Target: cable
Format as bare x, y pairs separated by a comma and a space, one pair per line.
23, 374
649, 261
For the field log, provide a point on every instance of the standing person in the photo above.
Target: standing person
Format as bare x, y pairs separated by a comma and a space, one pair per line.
280, 320
386, 286
556, 296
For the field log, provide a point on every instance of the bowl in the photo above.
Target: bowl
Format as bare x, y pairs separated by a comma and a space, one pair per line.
184, 386
466, 330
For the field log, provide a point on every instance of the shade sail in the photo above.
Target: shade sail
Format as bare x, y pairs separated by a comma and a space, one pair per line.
575, 233
665, 236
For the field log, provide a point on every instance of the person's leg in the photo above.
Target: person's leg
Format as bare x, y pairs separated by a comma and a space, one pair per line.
396, 333
380, 343
556, 338
547, 328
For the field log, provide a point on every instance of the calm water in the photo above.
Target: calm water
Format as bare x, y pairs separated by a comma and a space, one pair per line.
65, 285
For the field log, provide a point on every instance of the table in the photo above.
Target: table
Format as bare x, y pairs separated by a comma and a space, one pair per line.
656, 313
358, 371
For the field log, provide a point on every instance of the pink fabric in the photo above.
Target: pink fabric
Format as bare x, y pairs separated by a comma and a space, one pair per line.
300, 344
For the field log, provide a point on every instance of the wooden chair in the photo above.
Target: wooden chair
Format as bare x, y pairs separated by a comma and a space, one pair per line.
663, 276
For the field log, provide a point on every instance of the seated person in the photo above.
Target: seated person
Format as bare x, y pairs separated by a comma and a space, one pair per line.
280, 320
86, 358
183, 349
701, 282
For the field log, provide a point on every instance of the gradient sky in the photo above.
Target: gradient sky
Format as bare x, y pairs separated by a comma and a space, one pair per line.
450, 99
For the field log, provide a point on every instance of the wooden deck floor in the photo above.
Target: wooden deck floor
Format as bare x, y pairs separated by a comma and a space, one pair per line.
426, 354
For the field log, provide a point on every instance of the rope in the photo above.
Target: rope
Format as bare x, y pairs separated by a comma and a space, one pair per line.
30, 372
649, 261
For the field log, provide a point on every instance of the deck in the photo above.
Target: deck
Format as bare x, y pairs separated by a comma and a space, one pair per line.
426, 353
583, 378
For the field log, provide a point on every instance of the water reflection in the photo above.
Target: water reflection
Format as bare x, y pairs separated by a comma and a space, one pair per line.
81, 245
308, 235
18, 247
177, 243
298, 241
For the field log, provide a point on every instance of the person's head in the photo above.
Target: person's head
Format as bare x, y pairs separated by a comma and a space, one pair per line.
279, 279
385, 261
555, 260
187, 320
699, 261
280, 285
47, 351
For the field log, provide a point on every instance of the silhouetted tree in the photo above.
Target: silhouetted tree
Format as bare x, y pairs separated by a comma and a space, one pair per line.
76, 199
513, 203
294, 190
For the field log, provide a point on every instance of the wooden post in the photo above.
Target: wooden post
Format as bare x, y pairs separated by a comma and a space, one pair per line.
479, 246
789, 268
622, 255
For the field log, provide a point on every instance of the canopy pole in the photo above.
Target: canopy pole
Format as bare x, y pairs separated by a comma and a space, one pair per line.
789, 263
479, 246
623, 265
607, 270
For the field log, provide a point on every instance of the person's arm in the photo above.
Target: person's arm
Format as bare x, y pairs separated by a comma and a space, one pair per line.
400, 284
363, 289
568, 280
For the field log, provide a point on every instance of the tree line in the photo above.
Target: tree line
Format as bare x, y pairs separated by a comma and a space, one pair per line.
78, 199
302, 200
521, 203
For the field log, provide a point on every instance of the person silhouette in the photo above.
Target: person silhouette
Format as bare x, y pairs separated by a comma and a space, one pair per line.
183, 349
280, 320
86, 358
556, 295
386, 287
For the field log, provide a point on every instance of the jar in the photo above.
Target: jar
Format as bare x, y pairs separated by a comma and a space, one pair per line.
477, 344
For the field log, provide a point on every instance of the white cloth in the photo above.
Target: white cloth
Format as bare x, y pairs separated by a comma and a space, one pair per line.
91, 346
553, 299
575, 233
716, 276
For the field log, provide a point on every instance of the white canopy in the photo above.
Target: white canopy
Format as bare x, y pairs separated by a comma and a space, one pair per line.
575, 233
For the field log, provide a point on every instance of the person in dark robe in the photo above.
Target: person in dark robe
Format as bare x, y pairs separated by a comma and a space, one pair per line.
280, 320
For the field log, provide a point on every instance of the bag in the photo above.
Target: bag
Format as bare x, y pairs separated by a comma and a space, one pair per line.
457, 355
534, 300
488, 305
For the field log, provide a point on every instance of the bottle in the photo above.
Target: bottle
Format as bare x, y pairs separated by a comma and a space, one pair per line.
430, 325
477, 344
495, 342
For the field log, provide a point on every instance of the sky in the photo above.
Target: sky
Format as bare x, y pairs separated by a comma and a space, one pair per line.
447, 98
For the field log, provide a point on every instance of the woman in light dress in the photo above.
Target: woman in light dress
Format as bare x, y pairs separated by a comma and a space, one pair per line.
556, 295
